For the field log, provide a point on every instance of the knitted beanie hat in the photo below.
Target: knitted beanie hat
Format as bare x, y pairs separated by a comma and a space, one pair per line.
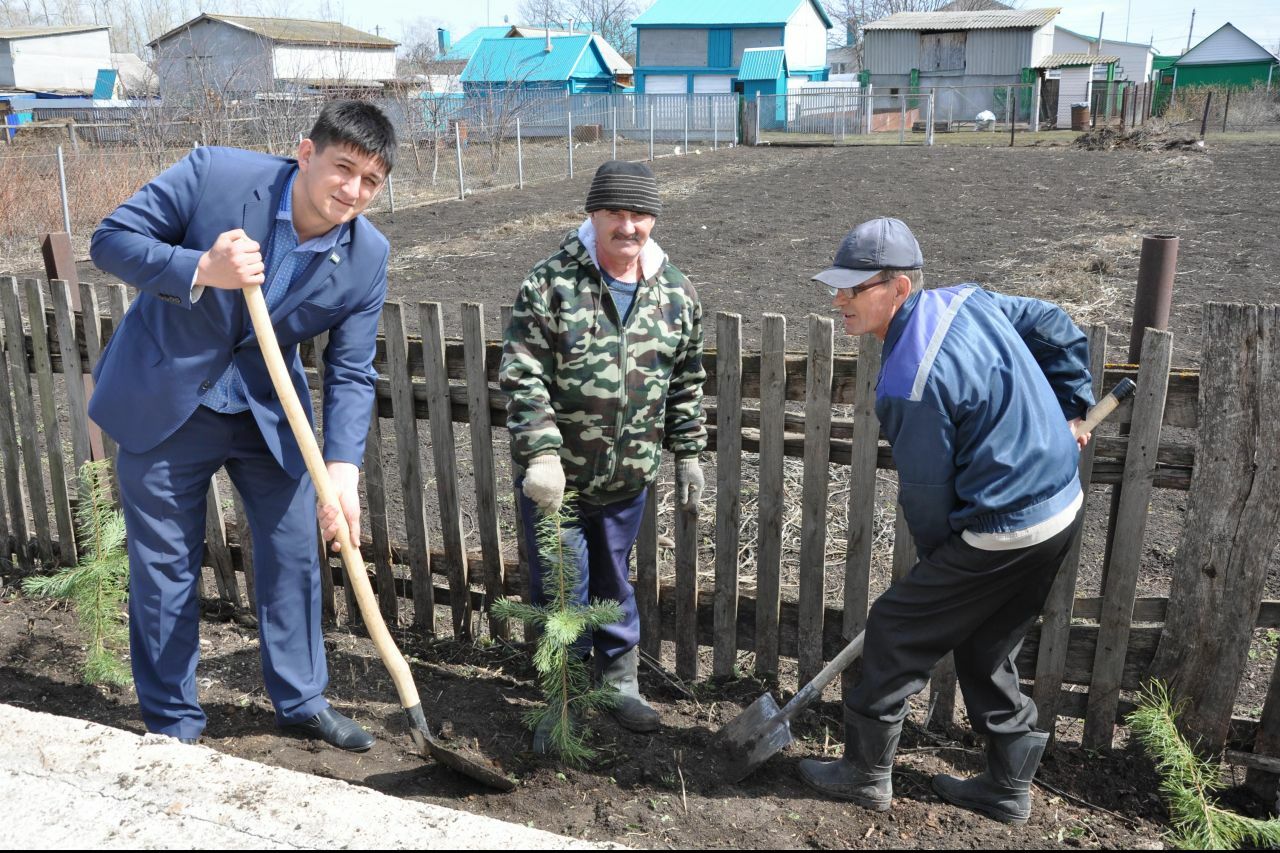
619, 185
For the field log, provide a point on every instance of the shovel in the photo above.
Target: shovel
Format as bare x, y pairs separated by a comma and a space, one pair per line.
762, 731
472, 766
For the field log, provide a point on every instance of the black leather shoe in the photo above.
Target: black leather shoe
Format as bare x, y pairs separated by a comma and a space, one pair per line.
334, 729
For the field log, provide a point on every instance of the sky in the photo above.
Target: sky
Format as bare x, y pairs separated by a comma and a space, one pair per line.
1165, 22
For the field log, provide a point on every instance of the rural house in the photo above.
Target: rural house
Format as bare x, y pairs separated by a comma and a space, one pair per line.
970, 58
698, 47
1072, 80
567, 65
53, 59
234, 56
1225, 58
1133, 59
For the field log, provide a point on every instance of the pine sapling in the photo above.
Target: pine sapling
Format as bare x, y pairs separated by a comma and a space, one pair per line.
1188, 782
98, 586
565, 680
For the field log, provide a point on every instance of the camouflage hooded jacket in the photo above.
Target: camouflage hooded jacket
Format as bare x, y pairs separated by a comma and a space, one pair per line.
603, 395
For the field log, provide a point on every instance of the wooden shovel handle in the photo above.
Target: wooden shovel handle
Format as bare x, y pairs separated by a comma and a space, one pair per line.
1124, 389
351, 561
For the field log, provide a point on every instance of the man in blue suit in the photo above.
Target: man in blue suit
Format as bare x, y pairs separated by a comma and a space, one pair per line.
183, 389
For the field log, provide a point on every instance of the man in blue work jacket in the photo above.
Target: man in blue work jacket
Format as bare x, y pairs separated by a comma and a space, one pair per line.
978, 393
183, 389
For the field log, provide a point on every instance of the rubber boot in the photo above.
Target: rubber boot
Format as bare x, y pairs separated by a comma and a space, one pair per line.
865, 774
1003, 792
631, 710
542, 732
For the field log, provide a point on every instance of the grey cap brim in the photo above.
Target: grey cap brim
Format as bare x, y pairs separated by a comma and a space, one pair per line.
844, 277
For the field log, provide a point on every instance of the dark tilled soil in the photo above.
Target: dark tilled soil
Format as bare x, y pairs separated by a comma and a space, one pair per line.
750, 226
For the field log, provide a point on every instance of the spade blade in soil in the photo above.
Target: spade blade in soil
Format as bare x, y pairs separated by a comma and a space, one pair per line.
456, 758
752, 738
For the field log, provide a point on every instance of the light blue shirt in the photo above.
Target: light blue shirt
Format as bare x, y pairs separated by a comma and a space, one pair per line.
285, 261
623, 292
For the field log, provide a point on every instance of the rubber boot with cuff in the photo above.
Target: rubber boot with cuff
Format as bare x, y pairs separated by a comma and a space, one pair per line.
631, 710
1003, 791
865, 775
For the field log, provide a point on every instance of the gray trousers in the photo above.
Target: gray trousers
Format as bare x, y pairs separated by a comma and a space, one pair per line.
978, 604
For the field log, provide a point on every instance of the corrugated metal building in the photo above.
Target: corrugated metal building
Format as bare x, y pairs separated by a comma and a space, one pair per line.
573, 65
965, 56
231, 55
58, 59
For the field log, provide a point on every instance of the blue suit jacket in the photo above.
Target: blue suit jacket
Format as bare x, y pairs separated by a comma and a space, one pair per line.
168, 352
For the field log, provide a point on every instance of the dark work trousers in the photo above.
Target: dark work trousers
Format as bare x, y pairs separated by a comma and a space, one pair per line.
979, 604
600, 538
163, 493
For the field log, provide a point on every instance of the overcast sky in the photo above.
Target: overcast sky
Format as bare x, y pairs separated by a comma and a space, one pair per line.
1165, 22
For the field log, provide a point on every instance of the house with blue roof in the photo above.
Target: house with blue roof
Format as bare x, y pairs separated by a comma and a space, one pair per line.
699, 47
567, 65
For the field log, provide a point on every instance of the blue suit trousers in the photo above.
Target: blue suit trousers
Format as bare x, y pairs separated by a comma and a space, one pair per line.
164, 492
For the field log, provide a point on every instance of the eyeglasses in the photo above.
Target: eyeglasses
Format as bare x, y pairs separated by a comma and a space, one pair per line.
854, 291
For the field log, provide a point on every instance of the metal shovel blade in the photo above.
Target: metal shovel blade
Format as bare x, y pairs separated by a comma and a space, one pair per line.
473, 765
752, 738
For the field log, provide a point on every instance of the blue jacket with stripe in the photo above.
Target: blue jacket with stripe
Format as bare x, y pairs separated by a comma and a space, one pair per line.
975, 391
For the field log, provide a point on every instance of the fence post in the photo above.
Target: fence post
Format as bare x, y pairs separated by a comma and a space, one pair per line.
520, 159
871, 107
1008, 111
836, 117
1013, 114
650, 131
62, 187
715, 124
928, 129
457, 144
1225, 110
902, 120
687, 99
1204, 122
758, 117
391, 192
615, 131
570, 114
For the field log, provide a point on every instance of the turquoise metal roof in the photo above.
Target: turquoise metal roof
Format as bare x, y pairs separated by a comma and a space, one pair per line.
525, 60
464, 47
724, 13
762, 63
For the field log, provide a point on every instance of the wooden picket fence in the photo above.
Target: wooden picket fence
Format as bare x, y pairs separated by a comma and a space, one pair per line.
1083, 654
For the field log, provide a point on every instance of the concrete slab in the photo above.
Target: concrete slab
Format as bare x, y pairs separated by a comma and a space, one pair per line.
79, 785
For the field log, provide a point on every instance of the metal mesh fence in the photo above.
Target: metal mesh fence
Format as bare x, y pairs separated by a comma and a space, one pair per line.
450, 146
841, 117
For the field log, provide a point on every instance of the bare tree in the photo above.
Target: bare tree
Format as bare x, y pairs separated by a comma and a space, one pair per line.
610, 18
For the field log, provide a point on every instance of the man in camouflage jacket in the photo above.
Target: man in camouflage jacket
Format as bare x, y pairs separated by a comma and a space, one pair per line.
603, 364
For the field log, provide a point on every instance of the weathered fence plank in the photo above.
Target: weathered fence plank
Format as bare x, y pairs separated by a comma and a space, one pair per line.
1233, 513
859, 550
12, 456
1126, 557
773, 344
25, 417
72, 372
101, 443
483, 464
686, 590
728, 497
328, 594
444, 453
375, 489
817, 476
647, 581
58, 475
1056, 623
410, 469
244, 541
216, 551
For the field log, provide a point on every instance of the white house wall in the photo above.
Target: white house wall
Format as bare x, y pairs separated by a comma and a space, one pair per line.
69, 61
672, 48
806, 39
1065, 41
1074, 87
1135, 60
350, 64
745, 37
213, 57
1043, 43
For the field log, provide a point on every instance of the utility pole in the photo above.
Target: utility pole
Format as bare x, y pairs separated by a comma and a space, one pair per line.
1191, 29
1098, 46
1127, 13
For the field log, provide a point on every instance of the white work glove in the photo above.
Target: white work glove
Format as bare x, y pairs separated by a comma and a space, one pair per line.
689, 482
544, 482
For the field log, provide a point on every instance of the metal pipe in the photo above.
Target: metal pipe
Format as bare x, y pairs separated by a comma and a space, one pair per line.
391, 192
62, 185
687, 98
758, 117
1204, 122
615, 131
715, 124
570, 114
1013, 113
902, 120
519, 157
928, 130
650, 131
457, 144
1153, 299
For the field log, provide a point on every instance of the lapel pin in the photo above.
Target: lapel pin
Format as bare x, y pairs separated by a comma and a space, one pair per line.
334, 259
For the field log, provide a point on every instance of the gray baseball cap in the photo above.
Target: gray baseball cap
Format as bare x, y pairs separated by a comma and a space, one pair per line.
873, 246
